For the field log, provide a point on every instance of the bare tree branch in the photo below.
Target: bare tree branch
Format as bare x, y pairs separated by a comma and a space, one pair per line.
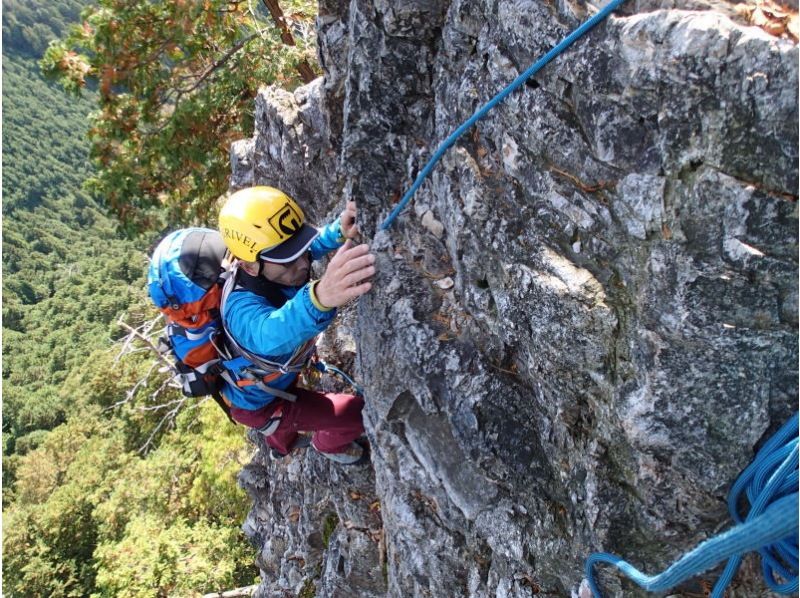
131, 392
303, 68
227, 56
161, 406
142, 335
169, 417
168, 382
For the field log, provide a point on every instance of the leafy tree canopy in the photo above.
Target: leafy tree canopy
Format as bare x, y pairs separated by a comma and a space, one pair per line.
87, 512
94, 519
176, 85
29, 26
66, 275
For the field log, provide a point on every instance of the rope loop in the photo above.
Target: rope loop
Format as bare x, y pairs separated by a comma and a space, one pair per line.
770, 486
326, 367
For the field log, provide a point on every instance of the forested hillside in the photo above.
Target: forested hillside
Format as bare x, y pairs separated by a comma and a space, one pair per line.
29, 26
66, 274
86, 512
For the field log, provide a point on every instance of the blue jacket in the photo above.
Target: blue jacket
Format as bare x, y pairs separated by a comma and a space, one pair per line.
275, 333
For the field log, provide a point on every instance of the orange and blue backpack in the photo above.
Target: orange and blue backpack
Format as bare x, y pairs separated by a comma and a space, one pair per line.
185, 282
188, 279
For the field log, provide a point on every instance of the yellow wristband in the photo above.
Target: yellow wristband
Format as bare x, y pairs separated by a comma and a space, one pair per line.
312, 292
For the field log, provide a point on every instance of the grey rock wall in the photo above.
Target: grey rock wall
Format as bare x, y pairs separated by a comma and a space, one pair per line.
582, 327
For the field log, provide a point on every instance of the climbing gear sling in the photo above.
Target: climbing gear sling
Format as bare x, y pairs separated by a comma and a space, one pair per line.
323, 367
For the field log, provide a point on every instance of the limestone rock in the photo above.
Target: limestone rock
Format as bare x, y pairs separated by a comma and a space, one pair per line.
621, 333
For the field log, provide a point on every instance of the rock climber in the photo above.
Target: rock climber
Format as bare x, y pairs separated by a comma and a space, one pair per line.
273, 312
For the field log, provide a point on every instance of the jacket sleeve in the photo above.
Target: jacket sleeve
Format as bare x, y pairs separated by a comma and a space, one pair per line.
329, 239
262, 329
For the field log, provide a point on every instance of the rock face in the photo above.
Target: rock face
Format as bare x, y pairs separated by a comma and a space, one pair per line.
582, 327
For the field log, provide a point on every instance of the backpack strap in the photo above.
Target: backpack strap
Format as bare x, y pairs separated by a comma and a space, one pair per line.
259, 285
217, 396
252, 369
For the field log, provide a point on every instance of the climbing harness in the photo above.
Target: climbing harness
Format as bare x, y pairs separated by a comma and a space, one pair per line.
770, 485
254, 370
532, 70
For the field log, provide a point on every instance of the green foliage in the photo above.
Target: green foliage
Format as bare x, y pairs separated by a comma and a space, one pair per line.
29, 26
328, 527
78, 495
179, 560
87, 513
172, 523
92, 517
66, 275
44, 153
191, 474
86, 508
176, 85
309, 589
50, 535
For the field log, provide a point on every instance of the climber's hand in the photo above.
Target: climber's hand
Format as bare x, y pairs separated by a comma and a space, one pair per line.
347, 221
346, 276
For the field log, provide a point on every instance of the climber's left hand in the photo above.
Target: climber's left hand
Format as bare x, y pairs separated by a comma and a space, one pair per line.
347, 221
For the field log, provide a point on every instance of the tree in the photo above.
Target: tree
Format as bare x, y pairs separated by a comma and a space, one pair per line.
176, 83
29, 26
78, 495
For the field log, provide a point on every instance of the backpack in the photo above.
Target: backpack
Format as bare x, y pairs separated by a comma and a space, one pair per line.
186, 278
185, 281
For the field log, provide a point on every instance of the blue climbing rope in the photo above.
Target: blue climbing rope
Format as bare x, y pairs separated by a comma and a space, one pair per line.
532, 70
770, 485
326, 367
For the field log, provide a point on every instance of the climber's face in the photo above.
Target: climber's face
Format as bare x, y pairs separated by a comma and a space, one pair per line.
293, 274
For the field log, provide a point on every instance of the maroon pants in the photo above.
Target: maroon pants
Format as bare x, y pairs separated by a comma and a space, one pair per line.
335, 420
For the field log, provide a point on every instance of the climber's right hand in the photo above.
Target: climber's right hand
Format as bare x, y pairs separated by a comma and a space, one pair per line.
346, 276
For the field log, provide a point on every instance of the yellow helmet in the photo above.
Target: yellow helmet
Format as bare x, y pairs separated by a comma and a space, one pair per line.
263, 223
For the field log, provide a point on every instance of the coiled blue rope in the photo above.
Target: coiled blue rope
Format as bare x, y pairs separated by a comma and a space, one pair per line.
770, 484
532, 70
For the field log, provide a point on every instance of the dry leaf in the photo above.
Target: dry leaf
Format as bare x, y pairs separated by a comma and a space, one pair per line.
774, 19
793, 27
767, 22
